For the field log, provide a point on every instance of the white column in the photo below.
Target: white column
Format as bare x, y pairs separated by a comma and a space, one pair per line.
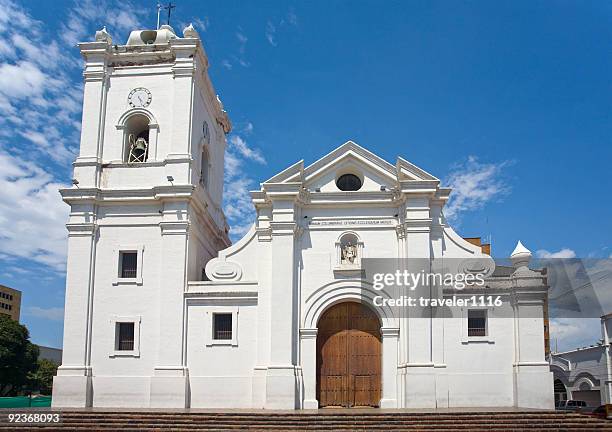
281, 374
419, 378
168, 385
182, 105
390, 342
72, 385
418, 253
309, 366
533, 379
95, 76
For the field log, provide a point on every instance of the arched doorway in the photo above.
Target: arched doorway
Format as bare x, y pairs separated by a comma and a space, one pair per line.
560, 392
349, 356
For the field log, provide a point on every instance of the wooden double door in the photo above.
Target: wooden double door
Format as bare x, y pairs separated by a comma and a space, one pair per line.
349, 357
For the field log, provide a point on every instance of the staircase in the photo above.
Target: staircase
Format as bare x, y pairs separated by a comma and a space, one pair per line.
321, 420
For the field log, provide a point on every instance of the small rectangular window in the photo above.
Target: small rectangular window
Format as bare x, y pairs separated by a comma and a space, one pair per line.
222, 326
129, 264
477, 323
125, 336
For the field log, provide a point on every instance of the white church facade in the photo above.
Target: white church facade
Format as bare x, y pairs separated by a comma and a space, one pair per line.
161, 311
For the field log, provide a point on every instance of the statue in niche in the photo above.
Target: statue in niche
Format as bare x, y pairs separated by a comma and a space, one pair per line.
349, 253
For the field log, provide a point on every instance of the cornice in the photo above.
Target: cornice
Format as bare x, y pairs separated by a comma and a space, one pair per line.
159, 193
174, 227
77, 229
283, 228
417, 225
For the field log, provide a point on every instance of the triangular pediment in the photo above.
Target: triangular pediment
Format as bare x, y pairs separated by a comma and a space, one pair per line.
294, 173
350, 152
409, 171
350, 157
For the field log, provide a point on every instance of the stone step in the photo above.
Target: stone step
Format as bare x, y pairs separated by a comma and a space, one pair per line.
265, 421
219, 429
264, 417
406, 420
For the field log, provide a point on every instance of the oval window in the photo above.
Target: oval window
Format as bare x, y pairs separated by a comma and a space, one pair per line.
348, 182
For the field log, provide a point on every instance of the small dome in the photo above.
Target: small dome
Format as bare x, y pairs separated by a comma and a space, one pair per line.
152, 37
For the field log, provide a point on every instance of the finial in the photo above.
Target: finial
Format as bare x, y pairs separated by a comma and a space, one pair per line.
103, 36
520, 256
190, 32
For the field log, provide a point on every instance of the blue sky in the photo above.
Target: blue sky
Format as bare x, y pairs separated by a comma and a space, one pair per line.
508, 102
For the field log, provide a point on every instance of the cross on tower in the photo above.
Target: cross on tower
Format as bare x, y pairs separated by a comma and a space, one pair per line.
168, 8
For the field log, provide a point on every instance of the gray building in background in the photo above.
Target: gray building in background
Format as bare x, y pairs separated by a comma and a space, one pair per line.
585, 373
53, 354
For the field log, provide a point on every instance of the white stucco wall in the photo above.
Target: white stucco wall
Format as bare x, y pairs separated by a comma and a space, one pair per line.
276, 282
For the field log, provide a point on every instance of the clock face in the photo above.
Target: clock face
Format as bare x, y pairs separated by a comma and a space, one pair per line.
139, 98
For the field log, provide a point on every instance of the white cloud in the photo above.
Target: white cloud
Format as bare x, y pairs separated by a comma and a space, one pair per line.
270, 32
21, 80
237, 199
474, 185
118, 17
202, 24
241, 146
285, 23
242, 43
570, 333
563, 253
52, 313
40, 106
242, 39
248, 128
226, 64
32, 214
292, 17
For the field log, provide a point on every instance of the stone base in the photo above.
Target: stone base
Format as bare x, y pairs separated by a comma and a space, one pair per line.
534, 387
311, 404
169, 388
281, 388
420, 389
388, 403
72, 391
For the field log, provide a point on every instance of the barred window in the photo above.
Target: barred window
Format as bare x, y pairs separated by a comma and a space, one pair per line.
222, 326
124, 336
129, 264
477, 322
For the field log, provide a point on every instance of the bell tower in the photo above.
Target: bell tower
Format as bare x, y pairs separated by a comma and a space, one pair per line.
146, 216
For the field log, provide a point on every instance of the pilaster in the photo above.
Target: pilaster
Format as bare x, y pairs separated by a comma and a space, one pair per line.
95, 75
281, 375
533, 381
178, 160
170, 376
308, 361
72, 385
417, 226
390, 342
